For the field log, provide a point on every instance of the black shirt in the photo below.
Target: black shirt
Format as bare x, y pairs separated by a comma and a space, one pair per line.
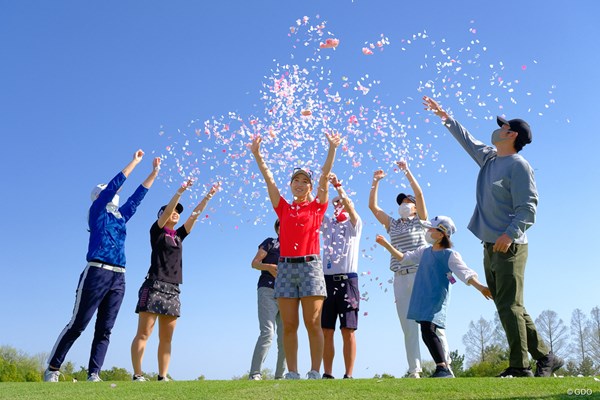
271, 246
166, 259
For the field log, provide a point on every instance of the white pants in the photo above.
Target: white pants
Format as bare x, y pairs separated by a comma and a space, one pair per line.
403, 287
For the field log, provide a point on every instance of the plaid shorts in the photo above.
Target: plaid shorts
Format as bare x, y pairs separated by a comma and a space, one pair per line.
303, 279
158, 297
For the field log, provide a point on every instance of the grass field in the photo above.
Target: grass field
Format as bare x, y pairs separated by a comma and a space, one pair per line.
422, 389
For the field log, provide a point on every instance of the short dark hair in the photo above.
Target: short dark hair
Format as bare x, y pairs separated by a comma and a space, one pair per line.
276, 226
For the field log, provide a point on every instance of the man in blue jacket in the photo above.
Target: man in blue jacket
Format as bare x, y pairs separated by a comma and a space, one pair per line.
102, 283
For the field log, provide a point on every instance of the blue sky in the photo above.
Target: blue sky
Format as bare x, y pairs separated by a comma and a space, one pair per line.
85, 85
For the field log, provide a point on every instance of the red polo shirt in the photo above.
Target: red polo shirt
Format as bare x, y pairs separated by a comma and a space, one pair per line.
299, 227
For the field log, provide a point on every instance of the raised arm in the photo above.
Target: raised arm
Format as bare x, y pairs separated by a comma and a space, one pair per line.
137, 158
386, 245
323, 191
191, 221
420, 199
272, 189
162, 220
348, 204
381, 216
432, 105
150, 179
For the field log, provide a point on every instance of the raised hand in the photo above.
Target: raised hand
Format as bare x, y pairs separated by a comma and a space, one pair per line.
378, 175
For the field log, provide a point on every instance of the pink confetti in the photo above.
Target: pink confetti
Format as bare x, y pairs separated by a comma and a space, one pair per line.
366, 51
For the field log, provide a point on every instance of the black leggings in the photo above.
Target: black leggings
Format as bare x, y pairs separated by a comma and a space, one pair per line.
432, 341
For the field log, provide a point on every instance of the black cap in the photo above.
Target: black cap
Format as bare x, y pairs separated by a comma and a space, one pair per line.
403, 196
517, 125
178, 208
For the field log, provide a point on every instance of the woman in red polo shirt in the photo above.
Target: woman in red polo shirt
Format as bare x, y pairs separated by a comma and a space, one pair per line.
300, 271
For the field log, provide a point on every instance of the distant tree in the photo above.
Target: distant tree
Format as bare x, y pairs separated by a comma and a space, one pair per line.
579, 335
201, 378
587, 368
477, 339
594, 334
458, 363
266, 373
496, 360
115, 374
499, 335
554, 331
384, 376
16, 366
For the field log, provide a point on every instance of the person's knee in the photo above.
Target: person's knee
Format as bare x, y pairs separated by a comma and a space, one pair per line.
348, 334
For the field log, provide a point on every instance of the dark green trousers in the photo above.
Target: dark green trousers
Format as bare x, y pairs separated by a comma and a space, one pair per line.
505, 276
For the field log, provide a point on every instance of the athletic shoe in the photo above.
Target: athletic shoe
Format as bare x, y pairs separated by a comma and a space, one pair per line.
546, 365
291, 375
312, 374
442, 372
414, 375
163, 379
139, 378
347, 377
327, 376
51, 376
512, 372
255, 377
94, 377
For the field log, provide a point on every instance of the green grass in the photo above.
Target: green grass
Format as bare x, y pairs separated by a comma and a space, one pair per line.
422, 389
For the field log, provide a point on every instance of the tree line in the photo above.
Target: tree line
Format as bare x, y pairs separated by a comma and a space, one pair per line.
486, 352
486, 348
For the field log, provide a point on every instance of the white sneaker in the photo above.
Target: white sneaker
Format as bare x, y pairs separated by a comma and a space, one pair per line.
139, 378
51, 376
414, 375
255, 377
163, 379
312, 374
291, 375
94, 377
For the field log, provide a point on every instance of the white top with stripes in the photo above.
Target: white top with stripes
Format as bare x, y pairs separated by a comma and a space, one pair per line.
405, 235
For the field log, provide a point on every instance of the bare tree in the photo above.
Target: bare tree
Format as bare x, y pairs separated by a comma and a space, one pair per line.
499, 335
477, 339
594, 338
579, 335
554, 331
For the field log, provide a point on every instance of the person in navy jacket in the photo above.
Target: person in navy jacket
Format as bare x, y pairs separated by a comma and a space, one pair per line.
102, 283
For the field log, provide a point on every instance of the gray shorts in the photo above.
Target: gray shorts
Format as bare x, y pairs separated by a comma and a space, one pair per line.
301, 279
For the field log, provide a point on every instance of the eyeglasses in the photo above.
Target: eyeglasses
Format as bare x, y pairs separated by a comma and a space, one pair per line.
305, 170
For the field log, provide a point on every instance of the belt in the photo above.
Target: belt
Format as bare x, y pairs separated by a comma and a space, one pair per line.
297, 260
408, 270
106, 266
342, 277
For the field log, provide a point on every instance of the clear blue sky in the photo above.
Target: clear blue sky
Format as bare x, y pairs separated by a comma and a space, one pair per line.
82, 86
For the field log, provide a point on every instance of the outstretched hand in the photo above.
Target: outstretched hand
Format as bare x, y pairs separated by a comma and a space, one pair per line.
334, 139
255, 145
155, 163
378, 175
138, 155
432, 105
403, 165
333, 179
381, 240
213, 190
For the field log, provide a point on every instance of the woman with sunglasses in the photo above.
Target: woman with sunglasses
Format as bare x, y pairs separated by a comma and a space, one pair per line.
300, 277
431, 291
159, 294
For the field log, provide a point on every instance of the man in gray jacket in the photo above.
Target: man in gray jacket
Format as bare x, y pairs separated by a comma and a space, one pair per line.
506, 205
